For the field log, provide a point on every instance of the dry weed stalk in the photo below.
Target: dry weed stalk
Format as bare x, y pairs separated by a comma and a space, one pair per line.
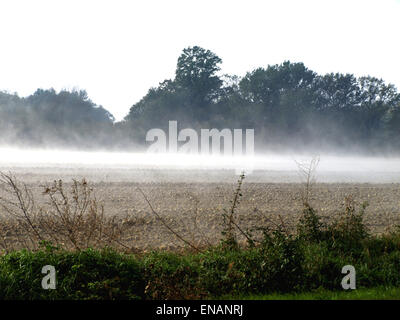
74, 219
166, 224
19, 205
307, 171
229, 217
78, 216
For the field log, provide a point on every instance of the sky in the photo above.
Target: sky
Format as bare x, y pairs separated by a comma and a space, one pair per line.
116, 50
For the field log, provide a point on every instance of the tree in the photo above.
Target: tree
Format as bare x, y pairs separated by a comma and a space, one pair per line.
50, 118
270, 92
196, 71
188, 98
266, 85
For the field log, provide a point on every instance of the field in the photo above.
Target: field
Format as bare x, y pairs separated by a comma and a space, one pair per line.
191, 202
170, 239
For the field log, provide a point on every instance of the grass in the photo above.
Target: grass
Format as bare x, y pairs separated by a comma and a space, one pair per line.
279, 271
378, 293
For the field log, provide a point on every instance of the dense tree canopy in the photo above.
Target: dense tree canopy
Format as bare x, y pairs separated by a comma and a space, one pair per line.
47, 118
288, 105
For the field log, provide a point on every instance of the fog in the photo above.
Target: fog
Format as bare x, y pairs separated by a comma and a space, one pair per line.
184, 167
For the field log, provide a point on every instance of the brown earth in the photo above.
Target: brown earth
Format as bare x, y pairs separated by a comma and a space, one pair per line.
193, 205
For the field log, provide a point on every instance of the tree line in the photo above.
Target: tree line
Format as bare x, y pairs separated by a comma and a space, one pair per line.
288, 105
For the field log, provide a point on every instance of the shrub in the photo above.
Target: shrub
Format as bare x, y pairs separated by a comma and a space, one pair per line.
310, 227
88, 274
171, 276
349, 232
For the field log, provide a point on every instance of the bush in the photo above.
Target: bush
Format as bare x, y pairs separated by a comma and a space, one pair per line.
348, 232
282, 261
171, 276
88, 274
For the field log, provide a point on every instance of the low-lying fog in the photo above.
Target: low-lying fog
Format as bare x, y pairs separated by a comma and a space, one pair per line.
265, 168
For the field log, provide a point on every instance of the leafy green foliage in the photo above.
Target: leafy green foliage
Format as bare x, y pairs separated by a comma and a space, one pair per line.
66, 118
287, 104
89, 274
309, 261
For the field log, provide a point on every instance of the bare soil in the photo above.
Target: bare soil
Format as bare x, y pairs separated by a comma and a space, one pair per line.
192, 203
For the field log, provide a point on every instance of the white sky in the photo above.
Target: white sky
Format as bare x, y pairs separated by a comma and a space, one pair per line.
117, 50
